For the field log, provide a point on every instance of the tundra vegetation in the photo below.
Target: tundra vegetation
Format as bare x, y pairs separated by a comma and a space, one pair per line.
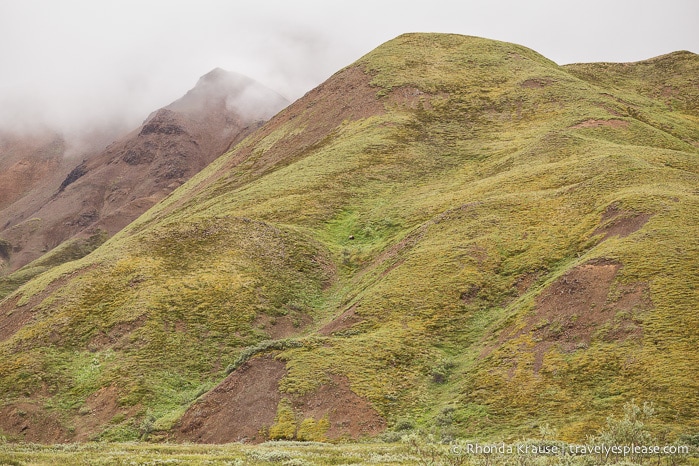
480, 241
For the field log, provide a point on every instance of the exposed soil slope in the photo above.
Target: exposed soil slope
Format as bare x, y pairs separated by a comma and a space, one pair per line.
243, 407
239, 408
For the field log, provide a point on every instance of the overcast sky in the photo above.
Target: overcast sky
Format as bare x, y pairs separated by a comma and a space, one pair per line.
76, 62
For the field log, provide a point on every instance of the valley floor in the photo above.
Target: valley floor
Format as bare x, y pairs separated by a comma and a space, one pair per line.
412, 451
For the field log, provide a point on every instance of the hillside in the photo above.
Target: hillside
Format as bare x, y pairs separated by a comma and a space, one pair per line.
77, 203
26, 161
452, 233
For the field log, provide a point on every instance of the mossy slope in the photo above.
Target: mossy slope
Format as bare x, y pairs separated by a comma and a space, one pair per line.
437, 189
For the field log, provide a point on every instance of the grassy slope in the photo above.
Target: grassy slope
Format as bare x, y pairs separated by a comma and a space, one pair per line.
71, 250
474, 178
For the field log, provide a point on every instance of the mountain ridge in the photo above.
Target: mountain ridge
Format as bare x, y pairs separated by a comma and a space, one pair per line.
111, 187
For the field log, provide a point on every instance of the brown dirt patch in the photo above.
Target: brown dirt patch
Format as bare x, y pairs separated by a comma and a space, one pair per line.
621, 223
523, 283
536, 83
12, 318
574, 307
238, 408
582, 304
349, 414
117, 336
599, 123
467, 296
98, 410
668, 91
30, 422
408, 96
342, 322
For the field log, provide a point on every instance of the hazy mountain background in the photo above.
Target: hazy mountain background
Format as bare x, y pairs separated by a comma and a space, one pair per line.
58, 208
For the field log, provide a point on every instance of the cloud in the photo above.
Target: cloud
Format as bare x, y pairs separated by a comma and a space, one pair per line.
79, 64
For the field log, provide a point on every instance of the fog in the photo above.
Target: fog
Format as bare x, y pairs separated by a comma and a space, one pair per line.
80, 65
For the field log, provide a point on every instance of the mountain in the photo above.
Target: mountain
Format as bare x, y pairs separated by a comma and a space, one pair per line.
451, 233
25, 162
78, 206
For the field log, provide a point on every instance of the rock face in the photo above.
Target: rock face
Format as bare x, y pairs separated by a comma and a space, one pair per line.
46, 198
27, 162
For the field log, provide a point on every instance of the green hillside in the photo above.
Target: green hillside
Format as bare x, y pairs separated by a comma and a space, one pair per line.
458, 232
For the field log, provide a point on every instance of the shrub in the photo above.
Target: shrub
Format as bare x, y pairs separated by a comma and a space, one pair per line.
312, 430
629, 430
262, 347
690, 440
284, 427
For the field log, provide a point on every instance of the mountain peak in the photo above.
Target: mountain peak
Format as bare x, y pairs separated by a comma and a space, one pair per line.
219, 76
215, 73
239, 94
